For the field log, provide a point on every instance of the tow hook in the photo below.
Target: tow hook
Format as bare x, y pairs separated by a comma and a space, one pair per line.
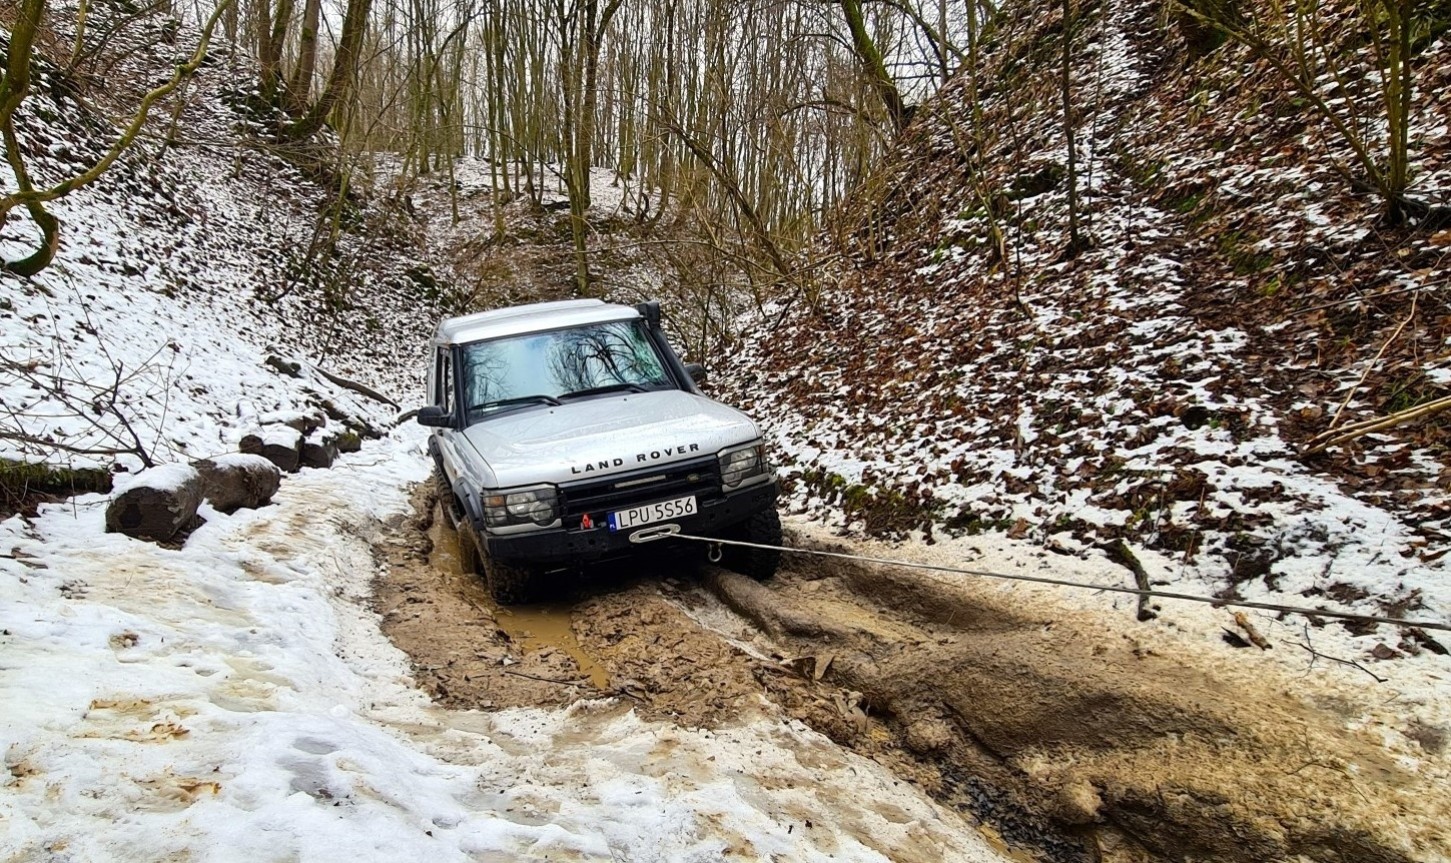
650, 534
713, 552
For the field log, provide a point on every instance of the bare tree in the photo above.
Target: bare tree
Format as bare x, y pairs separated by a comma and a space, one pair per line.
1305, 46
13, 90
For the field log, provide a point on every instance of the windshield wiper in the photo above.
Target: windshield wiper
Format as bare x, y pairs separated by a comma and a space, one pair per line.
609, 388
517, 400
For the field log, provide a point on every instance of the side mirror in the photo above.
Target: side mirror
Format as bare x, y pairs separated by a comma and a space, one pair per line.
433, 415
697, 372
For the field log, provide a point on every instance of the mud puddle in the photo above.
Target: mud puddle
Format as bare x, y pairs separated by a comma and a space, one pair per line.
653, 639
619, 636
1066, 744
544, 628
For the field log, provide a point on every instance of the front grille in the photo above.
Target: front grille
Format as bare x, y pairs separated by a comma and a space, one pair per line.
642, 486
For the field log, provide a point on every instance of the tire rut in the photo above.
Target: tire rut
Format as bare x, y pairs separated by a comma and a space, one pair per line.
1150, 755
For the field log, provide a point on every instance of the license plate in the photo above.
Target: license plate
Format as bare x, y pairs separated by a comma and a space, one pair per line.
653, 512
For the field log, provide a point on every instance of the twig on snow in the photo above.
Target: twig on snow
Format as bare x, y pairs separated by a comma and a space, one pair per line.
1315, 654
1415, 298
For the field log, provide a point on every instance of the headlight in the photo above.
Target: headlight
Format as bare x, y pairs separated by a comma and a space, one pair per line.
740, 464
538, 505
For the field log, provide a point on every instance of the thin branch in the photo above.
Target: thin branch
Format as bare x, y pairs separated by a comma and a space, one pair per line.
1315, 654
1376, 359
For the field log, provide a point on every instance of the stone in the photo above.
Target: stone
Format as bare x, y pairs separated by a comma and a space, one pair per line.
238, 481
157, 503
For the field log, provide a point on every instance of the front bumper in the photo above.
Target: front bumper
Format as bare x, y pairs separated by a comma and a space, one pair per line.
564, 546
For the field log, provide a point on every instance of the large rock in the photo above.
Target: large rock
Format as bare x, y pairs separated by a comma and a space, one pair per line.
238, 481
157, 504
348, 441
319, 454
280, 445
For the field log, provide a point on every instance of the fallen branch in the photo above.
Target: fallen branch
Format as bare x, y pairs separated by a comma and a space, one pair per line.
1372, 297
361, 389
1335, 437
1315, 654
1376, 360
583, 681
577, 682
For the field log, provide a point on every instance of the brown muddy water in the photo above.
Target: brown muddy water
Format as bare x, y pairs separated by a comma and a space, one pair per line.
534, 628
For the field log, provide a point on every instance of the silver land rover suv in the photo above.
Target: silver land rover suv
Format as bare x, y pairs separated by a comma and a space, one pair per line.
563, 430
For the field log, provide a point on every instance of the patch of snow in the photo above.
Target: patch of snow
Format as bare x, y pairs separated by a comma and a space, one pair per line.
166, 477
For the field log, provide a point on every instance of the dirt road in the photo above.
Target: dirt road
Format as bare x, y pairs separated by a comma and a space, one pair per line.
1066, 740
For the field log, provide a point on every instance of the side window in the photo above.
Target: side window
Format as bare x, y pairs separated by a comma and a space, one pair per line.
448, 381
443, 387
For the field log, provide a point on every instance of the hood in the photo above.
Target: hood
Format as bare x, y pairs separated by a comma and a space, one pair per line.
606, 435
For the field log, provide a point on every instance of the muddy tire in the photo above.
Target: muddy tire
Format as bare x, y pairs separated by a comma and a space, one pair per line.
759, 563
447, 503
470, 555
509, 585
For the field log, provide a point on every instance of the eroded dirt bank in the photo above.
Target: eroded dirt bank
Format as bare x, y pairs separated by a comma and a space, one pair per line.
1070, 745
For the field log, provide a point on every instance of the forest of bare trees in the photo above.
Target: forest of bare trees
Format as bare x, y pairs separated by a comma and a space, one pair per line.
731, 128
742, 121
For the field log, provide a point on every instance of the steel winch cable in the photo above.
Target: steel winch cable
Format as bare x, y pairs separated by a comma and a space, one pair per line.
665, 532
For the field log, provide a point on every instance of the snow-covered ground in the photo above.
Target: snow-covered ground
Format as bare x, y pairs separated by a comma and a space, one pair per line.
235, 699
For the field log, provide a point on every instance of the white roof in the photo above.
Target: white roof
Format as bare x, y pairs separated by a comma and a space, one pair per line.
527, 319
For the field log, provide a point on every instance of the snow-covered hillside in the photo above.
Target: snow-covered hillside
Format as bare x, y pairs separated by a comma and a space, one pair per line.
966, 370
191, 277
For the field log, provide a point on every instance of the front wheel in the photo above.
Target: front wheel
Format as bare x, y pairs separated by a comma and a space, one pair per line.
508, 585
763, 528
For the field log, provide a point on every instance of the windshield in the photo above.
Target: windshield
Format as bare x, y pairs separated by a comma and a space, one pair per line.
553, 367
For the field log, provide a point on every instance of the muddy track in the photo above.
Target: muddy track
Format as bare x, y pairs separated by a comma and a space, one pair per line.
1069, 745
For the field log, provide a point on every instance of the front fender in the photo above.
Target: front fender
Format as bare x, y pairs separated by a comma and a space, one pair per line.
474, 509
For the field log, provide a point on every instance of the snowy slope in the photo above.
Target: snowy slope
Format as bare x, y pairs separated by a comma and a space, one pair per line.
1160, 385
182, 270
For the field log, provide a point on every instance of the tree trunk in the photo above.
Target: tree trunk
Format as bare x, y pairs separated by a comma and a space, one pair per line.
1075, 239
158, 509
345, 65
872, 64
234, 482
280, 445
299, 86
13, 90
269, 56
